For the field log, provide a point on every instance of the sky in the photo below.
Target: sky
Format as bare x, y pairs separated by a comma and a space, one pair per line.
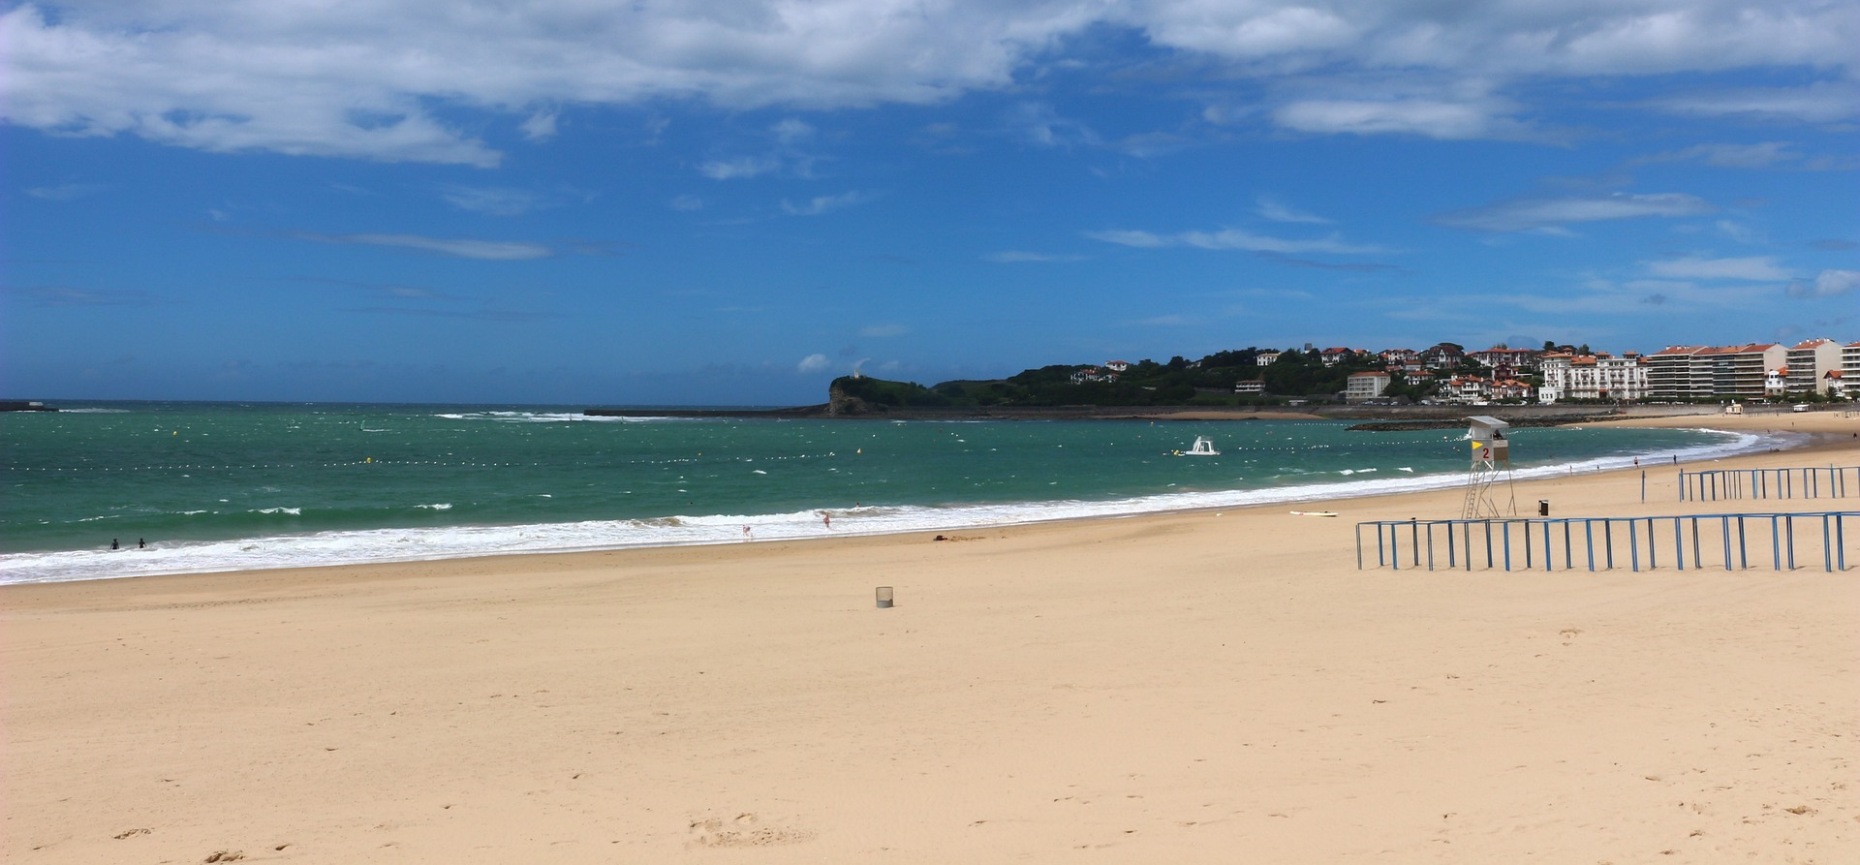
732, 202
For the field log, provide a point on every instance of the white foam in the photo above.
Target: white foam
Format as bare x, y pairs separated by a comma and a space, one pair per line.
553, 417
423, 544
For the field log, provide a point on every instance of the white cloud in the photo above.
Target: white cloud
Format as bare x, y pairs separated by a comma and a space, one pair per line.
540, 126
686, 203
488, 250
739, 167
1551, 214
1431, 118
822, 204
1233, 238
813, 363
66, 191
1018, 257
373, 79
792, 131
1759, 155
1039, 124
1828, 283
490, 200
1277, 212
1755, 269
1821, 102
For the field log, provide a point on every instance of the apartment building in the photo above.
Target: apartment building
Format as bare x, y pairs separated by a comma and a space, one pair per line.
1678, 372
1809, 364
1363, 386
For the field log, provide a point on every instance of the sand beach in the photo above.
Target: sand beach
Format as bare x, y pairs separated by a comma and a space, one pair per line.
1220, 686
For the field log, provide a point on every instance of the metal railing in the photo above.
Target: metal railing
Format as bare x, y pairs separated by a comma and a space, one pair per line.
1600, 543
1813, 482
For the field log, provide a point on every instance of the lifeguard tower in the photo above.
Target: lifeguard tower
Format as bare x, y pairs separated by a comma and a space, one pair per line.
1491, 458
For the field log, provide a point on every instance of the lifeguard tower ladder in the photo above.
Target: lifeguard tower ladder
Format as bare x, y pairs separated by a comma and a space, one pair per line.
1491, 457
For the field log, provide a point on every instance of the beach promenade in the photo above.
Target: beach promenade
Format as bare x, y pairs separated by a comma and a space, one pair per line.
1212, 687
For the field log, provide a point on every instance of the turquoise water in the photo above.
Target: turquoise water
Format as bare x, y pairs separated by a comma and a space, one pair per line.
225, 486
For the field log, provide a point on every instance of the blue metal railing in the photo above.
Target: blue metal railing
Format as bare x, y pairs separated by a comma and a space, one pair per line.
1808, 482
1694, 540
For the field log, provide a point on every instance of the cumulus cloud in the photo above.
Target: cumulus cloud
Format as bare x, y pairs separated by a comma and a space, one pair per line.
813, 363
1828, 283
397, 81
540, 126
1540, 214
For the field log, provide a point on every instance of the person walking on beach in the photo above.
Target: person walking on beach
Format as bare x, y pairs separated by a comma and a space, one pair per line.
826, 519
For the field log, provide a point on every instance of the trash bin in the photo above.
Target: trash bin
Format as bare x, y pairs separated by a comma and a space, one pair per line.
1543, 507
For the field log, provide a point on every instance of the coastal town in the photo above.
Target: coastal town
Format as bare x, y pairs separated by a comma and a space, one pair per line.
1814, 369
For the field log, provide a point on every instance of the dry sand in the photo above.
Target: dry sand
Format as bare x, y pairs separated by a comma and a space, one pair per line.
1202, 687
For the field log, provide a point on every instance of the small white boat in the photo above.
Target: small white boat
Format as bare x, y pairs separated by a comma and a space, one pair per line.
1203, 447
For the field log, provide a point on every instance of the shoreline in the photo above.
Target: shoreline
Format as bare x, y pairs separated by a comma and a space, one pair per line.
1169, 687
393, 545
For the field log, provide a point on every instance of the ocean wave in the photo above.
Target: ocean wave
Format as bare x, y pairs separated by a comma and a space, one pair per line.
431, 543
552, 417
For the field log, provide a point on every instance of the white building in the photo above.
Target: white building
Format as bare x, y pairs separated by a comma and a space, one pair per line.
1366, 386
1250, 386
1593, 377
1776, 381
1266, 358
1850, 370
1809, 365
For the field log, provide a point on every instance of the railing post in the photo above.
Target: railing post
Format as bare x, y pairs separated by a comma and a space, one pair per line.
1634, 547
1789, 537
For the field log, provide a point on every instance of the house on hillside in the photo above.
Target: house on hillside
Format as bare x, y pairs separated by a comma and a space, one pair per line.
1443, 355
1334, 356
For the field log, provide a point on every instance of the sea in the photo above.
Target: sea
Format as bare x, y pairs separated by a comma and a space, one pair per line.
121, 489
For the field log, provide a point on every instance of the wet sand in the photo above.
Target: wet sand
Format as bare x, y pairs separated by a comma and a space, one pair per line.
1215, 686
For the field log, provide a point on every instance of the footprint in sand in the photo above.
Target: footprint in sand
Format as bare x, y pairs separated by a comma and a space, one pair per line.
743, 831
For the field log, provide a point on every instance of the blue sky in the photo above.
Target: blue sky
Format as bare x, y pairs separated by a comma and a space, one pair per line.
731, 202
